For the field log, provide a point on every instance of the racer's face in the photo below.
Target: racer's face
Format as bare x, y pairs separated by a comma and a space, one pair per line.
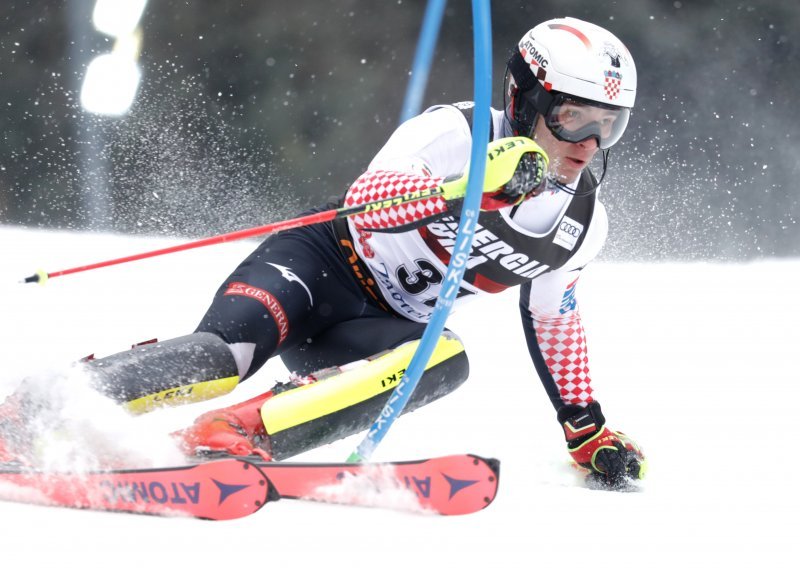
567, 159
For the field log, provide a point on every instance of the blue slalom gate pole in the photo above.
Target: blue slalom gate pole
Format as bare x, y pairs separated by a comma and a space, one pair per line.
420, 68
481, 18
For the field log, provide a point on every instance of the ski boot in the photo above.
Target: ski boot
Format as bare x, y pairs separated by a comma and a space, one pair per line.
15, 441
236, 430
8, 451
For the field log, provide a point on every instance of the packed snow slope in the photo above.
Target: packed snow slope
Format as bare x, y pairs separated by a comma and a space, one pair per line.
696, 361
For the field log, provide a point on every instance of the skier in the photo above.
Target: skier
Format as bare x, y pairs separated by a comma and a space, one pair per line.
344, 307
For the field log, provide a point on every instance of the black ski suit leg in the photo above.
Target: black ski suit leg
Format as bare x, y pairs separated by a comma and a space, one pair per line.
289, 290
351, 340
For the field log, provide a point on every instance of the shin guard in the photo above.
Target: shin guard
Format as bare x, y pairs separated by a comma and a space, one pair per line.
341, 401
187, 369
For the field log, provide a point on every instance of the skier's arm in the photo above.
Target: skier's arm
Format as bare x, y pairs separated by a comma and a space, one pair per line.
420, 154
557, 344
426, 157
555, 337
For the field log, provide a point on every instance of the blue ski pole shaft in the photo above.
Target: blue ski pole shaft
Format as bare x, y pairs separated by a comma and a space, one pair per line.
458, 262
421, 67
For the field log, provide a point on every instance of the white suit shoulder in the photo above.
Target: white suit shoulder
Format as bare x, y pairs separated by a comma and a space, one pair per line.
436, 142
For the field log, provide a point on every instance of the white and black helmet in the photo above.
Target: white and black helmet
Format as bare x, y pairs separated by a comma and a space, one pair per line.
563, 65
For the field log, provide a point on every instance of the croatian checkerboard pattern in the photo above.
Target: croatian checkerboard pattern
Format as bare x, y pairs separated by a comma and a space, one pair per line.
612, 88
612, 85
563, 345
380, 185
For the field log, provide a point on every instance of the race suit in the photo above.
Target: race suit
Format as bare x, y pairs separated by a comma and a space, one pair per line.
333, 293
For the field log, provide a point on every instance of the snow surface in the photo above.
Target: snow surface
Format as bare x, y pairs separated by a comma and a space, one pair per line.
695, 361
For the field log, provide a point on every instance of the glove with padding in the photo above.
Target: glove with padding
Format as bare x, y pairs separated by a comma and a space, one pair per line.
611, 457
516, 168
528, 180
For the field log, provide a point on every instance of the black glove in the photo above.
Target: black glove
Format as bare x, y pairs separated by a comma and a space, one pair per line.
612, 458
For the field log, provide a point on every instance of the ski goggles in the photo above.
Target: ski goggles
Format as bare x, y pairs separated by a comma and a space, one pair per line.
573, 119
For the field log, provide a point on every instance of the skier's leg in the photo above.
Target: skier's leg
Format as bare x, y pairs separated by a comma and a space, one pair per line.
350, 399
291, 288
186, 369
317, 408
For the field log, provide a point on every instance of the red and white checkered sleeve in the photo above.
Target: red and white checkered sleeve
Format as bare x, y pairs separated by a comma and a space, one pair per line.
420, 153
389, 188
556, 338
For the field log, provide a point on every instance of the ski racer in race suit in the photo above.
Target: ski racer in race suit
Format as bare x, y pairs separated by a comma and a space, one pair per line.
354, 302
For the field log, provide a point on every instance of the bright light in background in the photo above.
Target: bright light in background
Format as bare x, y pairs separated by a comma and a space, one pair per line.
117, 18
111, 80
110, 84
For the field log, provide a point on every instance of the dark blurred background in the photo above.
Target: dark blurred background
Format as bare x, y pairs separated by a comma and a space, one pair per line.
250, 111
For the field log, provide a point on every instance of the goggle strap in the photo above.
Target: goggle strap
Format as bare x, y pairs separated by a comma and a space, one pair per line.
521, 72
529, 86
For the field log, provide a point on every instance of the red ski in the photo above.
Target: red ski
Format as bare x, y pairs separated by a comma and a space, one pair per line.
235, 487
224, 489
450, 485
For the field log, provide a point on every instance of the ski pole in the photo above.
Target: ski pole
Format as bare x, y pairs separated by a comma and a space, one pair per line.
408, 205
380, 206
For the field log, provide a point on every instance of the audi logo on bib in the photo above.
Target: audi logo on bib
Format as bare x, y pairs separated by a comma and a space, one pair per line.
570, 229
568, 233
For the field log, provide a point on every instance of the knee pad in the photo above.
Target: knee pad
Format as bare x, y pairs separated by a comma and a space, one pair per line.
342, 401
178, 371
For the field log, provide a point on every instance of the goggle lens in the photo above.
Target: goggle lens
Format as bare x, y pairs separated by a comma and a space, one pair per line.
573, 120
